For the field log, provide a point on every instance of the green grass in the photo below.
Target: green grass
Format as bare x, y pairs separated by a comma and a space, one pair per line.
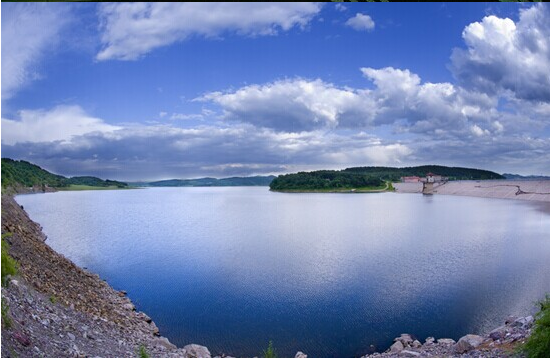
270, 352
142, 353
6, 319
9, 265
77, 187
538, 344
53, 299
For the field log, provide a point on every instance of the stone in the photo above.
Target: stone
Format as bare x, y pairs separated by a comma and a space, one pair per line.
498, 333
468, 342
448, 341
407, 353
300, 355
143, 316
129, 307
396, 347
405, 338
196, 351
523, 322
510, 319
516, 336
22, 338
416, 344
164, 342
430, 340
71, 336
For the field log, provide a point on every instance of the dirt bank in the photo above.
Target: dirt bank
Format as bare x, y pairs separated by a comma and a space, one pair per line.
532, 190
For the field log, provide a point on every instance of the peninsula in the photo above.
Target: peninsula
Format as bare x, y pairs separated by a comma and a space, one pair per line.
369, 179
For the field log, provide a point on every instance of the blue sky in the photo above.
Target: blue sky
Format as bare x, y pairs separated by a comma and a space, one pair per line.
152, 91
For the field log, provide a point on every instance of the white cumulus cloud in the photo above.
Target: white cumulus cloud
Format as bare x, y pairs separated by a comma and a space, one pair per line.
294, 105
399, 98
130, 30
503, 56
57, 124
361, 22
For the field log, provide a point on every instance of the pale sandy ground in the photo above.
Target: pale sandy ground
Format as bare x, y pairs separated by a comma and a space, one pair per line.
535, 190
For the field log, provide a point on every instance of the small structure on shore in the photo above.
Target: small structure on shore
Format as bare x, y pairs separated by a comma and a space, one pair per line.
412, 179
430, 180
433, 178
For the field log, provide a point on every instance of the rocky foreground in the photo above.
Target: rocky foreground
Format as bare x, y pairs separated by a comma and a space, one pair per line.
60, 310
501, 342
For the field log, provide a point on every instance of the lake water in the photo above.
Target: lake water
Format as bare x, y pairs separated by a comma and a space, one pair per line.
328, 274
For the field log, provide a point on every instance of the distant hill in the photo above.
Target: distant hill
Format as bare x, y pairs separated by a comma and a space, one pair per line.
371, 177
20, 173
233, 181
525, 177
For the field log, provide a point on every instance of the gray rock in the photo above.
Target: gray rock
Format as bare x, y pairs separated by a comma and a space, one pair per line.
523, 322
396, 347
300, 355
510, 319
407, 353
71, 336
468, 342
446, 341
129, 307
164, 342
22, 338
416, 344
517, 336
196, 351
405, 338
498, 333
430, 340
143, 316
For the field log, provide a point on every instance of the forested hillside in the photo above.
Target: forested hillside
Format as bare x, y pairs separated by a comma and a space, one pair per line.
22, 173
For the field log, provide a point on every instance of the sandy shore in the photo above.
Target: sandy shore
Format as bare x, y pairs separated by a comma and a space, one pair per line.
534, 190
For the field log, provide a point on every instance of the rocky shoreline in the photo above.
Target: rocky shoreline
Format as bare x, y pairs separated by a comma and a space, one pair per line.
58, 309
500, 342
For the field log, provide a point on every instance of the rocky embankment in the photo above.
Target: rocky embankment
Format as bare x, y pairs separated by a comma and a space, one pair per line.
501, 342
60, 310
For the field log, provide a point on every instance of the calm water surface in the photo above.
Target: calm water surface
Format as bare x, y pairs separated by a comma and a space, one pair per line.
328, 274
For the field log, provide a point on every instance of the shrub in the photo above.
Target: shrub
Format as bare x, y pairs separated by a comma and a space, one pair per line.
6, 319
270, 353
9, 265
142, 353
538, 344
